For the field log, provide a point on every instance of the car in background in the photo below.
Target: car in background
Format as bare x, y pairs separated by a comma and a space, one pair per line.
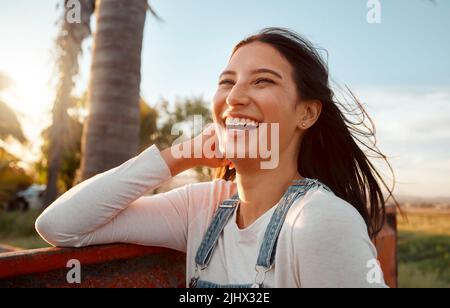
30, 198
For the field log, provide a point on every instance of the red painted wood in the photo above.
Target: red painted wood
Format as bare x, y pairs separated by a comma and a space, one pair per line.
42, 260
124, 265
386, 244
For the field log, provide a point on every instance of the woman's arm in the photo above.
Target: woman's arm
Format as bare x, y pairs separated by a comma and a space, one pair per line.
109, 207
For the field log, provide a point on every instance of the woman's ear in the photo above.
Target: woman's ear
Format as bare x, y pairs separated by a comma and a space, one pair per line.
307, 113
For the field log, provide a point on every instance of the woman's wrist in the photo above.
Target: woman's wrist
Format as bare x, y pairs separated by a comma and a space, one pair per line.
180, 157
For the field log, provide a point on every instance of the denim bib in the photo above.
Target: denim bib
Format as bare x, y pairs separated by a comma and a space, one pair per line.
266, 257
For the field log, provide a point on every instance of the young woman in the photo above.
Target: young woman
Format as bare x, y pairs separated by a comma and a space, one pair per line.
306, 222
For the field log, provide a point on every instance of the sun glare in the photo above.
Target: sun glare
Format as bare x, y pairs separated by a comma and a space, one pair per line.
30, 96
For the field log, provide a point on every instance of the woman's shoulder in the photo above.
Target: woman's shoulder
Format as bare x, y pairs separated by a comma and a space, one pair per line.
329, 241
320, 210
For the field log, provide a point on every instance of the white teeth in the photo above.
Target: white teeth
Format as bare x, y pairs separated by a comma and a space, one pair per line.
241, 122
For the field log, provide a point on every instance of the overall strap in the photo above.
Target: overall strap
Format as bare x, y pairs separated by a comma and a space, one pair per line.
220, 219
266, 257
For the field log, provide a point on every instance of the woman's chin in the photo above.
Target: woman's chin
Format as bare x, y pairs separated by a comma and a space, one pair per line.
241, 154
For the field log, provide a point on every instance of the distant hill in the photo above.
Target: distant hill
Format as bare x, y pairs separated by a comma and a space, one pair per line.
412, 199
435, 203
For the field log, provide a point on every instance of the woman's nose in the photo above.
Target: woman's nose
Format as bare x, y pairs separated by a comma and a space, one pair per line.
238, 96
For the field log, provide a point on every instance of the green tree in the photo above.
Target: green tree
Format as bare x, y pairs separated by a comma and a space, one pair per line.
148, 132
69, 173
71, 155
12, 177
183, 112
9, 123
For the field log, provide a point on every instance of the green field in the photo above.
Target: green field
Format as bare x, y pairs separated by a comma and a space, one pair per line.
424, 244
17, 229
424, 249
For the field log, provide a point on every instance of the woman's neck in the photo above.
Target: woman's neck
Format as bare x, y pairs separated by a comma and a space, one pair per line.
260, 189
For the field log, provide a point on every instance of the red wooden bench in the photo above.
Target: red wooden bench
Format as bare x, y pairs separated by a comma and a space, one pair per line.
123, 265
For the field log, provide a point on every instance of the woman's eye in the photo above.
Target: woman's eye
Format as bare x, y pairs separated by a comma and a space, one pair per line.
263, 80
226, 82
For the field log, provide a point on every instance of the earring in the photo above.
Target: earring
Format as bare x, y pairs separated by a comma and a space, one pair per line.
304, 124
230, 165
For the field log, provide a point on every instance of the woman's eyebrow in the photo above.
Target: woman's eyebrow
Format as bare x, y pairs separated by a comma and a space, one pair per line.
267, 70
260, 70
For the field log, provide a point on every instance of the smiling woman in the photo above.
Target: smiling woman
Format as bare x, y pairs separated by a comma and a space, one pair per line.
321, 137
306, 222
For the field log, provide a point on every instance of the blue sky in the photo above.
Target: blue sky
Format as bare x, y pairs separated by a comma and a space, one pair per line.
409, 48
399, 68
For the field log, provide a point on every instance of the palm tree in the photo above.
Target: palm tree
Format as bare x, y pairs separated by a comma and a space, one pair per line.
69, 47
9, 124
111, 134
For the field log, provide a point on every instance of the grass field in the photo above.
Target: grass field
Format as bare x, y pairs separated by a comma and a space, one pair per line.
17, 229
424, 249
424, 244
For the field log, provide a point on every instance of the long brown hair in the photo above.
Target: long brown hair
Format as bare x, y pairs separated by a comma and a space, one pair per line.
329, 150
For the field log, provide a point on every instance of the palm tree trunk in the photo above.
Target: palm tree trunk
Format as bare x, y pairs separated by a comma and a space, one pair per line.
111, 134
69, 47
57, 132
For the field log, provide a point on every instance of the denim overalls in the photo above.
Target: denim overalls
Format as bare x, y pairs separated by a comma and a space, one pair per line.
267, 250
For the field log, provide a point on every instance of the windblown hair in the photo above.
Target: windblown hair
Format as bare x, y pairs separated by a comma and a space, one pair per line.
337, 148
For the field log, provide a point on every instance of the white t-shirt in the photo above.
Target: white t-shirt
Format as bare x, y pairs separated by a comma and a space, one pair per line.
323, 242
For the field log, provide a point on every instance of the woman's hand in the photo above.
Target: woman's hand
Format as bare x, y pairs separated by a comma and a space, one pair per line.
210, 154
202, 150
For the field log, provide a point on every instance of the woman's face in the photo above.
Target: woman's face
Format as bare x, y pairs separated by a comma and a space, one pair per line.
257, 84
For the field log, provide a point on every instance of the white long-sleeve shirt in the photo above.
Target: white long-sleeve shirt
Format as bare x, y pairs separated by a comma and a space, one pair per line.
323, 243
